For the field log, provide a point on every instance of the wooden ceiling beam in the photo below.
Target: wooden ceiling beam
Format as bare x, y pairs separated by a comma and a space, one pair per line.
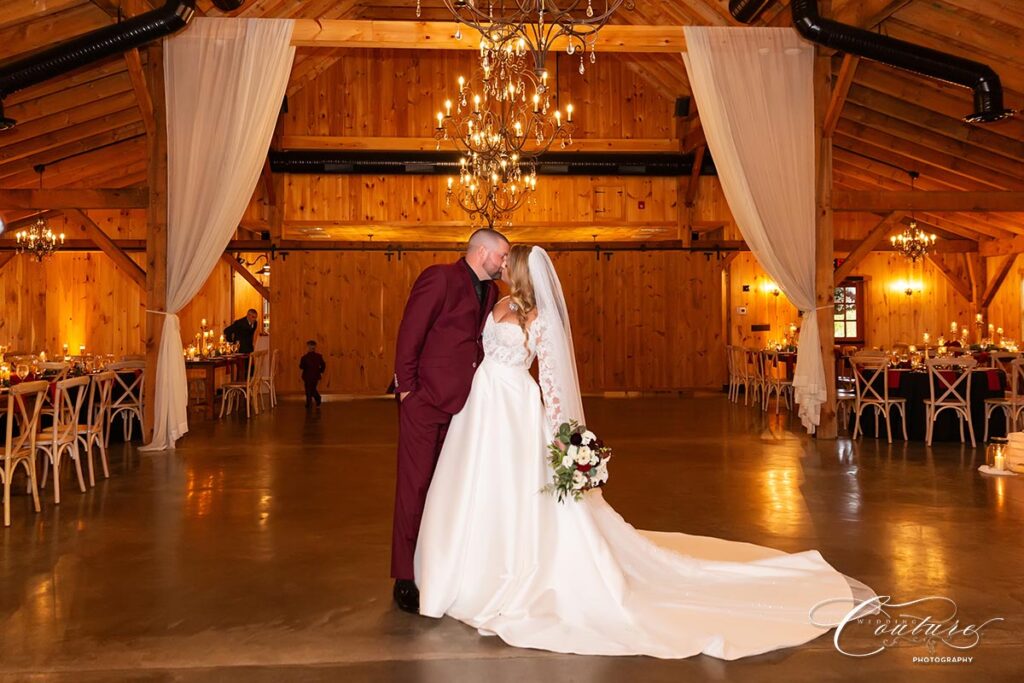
133, 59
881, 139
121, 259
440, 35
928, 201
867, 245
934, 140
839, 92
60, 26
968, 225
408, 144
137, 245
74, 199
693, 183
80, 147
247, 275
993, 286
962, 287
1014, 245
921, 117
64, 136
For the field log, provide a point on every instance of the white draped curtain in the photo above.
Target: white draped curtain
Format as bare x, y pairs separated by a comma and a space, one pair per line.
225, 81
754, 90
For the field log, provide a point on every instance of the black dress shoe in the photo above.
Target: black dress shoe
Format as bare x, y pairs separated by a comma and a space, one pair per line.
407, 596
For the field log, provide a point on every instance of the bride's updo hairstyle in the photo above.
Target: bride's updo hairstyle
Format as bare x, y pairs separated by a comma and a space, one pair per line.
521, 286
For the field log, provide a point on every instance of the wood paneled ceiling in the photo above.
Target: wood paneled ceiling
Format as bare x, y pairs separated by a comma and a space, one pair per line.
86, 126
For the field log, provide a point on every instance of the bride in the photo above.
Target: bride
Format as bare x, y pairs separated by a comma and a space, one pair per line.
500, 554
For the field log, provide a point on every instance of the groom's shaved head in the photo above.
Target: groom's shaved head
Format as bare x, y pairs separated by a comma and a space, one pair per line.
486, 253
488, 238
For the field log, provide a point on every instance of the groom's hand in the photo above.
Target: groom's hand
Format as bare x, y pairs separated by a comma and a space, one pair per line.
401, 396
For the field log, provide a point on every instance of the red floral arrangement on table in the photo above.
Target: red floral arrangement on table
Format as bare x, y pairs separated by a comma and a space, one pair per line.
579, 460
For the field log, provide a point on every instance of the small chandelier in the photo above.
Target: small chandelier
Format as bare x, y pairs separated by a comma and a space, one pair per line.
38, 240
502, 121
536, 23
913, 243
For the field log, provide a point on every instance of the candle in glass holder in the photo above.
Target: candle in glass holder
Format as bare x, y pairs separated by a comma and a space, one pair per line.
65, 349
42, 355
999, 331
991, 329
926, 337
999, 461
81, 350
963, 332
952, 327
202, 323
977, 317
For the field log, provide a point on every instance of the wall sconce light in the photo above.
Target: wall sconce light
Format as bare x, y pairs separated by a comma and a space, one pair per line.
769, 287
908, 287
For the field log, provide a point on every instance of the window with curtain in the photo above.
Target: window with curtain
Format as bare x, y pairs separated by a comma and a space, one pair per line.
849, 312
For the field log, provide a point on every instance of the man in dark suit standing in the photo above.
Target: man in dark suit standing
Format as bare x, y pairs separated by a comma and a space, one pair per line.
439, 347
242, 331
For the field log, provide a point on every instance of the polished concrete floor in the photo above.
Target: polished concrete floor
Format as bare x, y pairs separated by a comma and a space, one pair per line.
258, 551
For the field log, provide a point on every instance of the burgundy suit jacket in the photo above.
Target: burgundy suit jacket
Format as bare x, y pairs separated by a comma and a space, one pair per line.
440, 341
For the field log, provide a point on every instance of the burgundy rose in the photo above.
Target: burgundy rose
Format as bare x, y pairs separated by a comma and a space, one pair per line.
576, 439
583, 468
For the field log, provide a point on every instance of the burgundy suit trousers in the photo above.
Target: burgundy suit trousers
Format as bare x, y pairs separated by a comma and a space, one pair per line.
421, 432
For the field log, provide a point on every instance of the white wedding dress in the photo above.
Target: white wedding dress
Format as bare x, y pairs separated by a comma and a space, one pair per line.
497, 553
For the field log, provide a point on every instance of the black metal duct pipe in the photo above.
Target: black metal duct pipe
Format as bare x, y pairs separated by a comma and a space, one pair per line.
446, 163
747, 10
988, 92
91, 47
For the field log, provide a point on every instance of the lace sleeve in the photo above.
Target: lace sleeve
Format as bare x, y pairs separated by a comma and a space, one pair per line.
546, 374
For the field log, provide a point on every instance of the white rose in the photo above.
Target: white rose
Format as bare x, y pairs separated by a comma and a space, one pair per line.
583, 455
567, 461
578, 480
594, 460
589, 437
602, 473
571, 451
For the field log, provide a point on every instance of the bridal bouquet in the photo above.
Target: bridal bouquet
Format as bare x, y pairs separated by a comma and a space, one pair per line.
579, 460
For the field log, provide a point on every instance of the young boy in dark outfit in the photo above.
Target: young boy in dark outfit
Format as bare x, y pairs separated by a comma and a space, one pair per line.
312, 366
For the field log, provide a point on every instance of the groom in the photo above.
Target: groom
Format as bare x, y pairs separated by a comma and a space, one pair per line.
439, 347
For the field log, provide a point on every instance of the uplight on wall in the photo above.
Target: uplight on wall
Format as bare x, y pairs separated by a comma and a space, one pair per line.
769, 287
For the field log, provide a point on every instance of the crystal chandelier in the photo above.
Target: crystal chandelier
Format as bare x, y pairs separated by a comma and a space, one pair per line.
500, 122
537, 23
38, 240
913, 242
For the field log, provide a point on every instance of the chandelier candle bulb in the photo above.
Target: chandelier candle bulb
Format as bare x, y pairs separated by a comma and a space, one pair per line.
448, 107
568, 113
440, 120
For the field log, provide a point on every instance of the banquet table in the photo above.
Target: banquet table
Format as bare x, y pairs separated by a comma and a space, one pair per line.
914, 387
234, 364
116, 428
